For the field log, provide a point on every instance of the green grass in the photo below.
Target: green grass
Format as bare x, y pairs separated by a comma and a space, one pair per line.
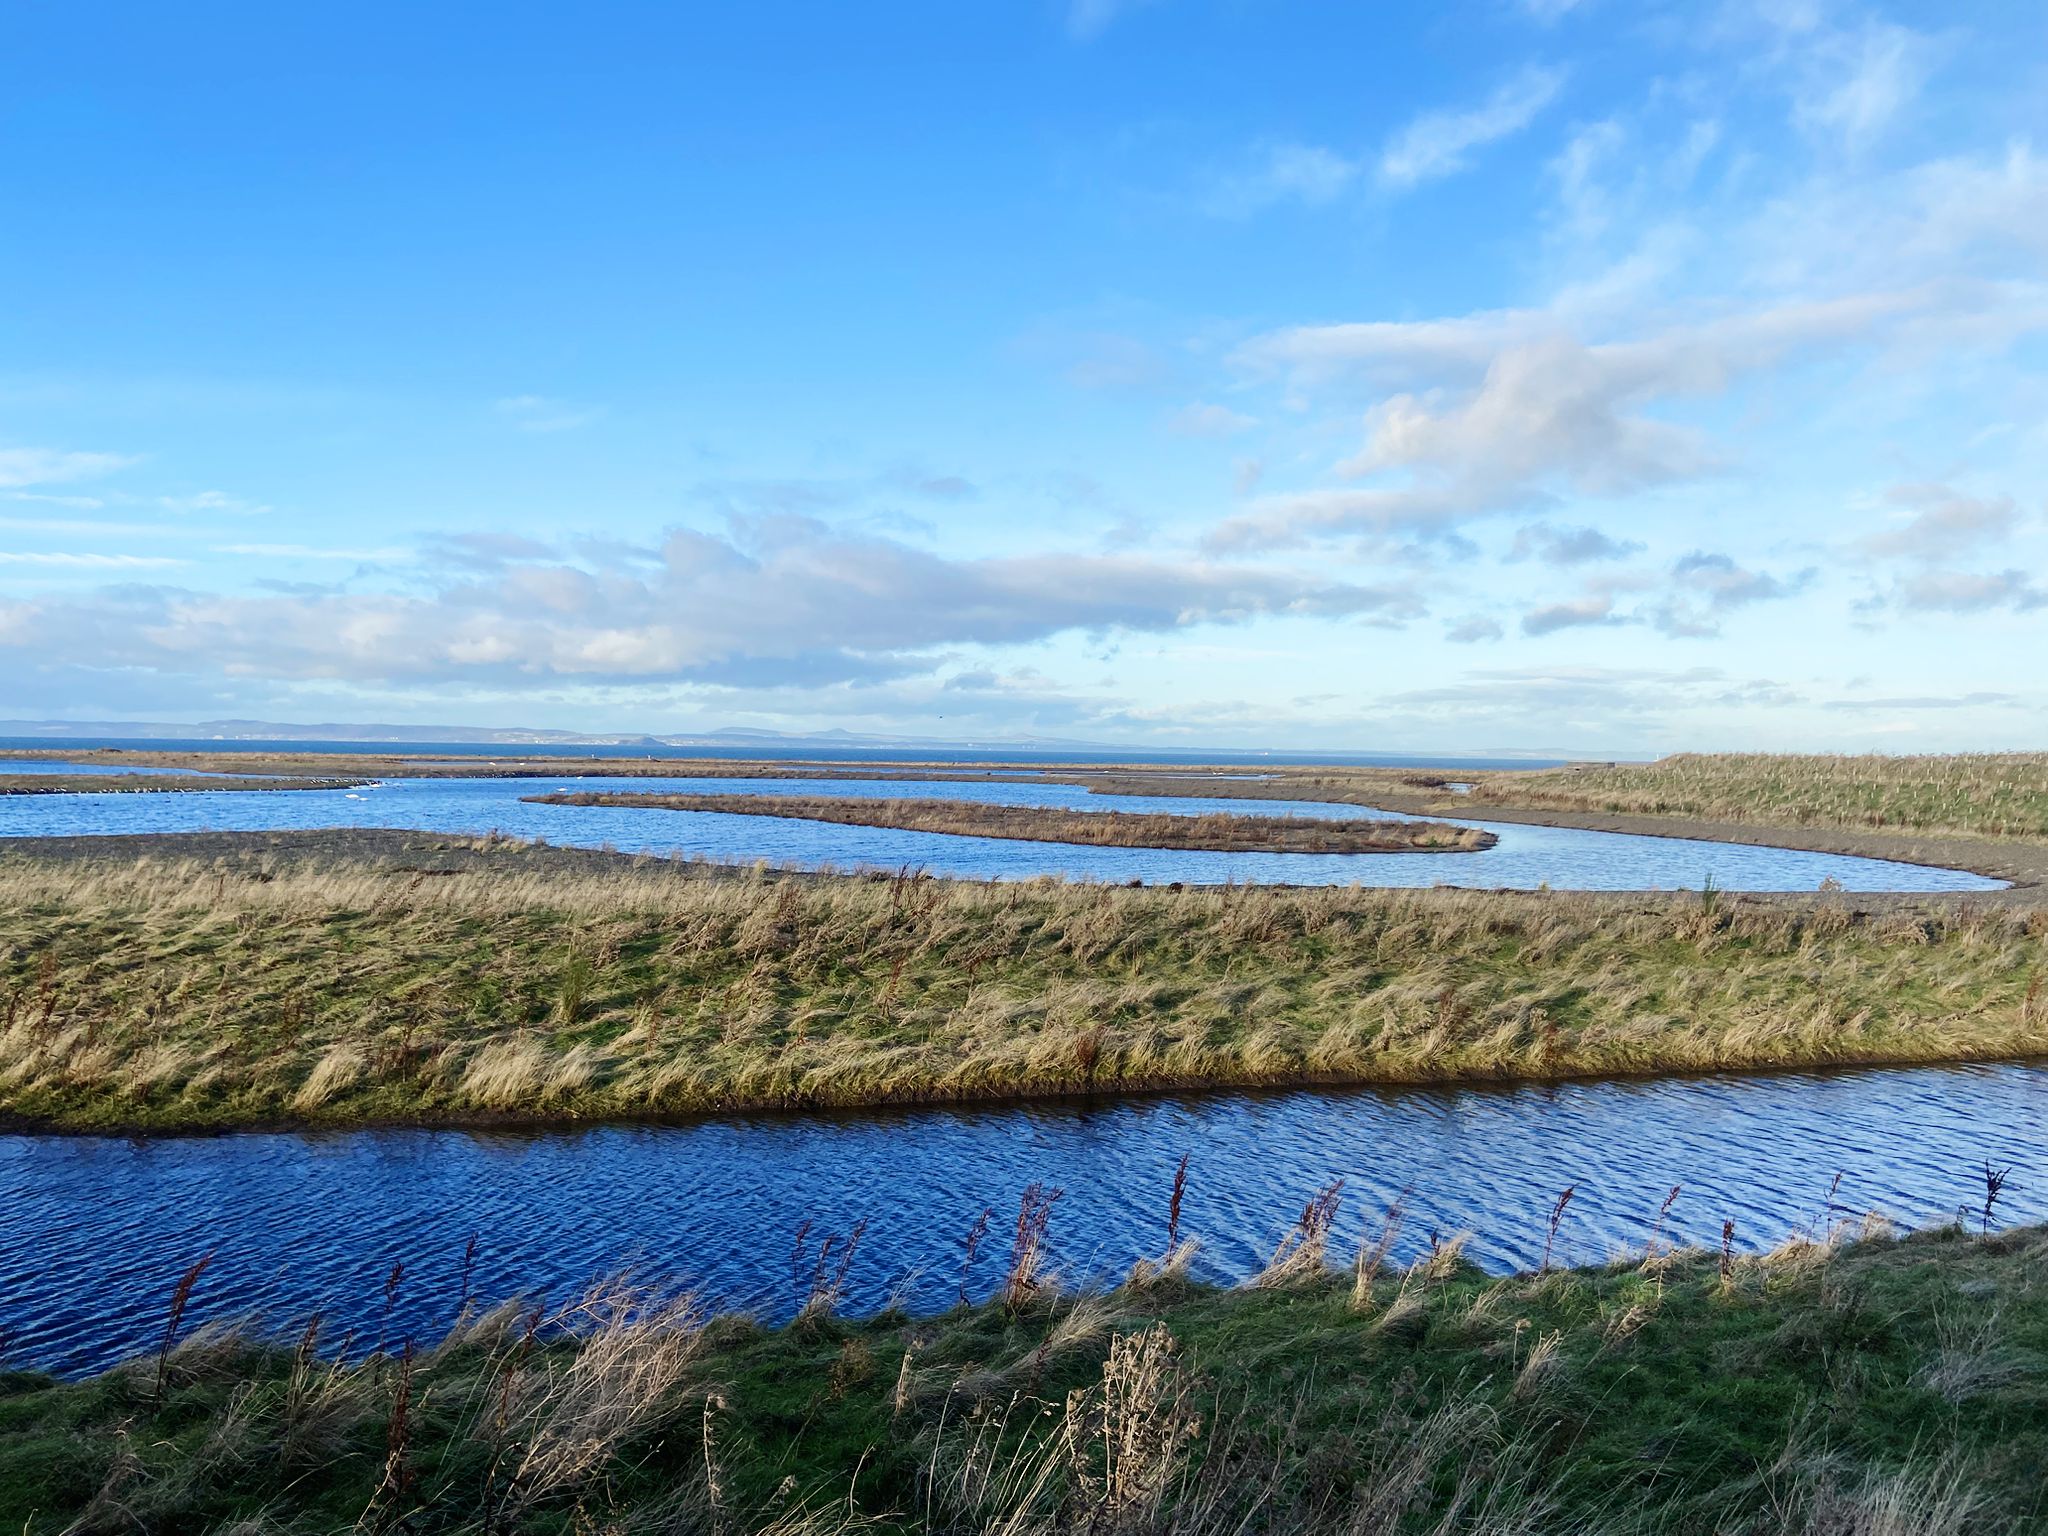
184, 996
1865, 1388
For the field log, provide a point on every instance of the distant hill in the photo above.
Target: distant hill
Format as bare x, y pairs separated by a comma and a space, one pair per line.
270, 730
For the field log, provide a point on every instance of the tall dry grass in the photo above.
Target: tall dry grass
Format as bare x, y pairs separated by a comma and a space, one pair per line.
166, 993
1988, 794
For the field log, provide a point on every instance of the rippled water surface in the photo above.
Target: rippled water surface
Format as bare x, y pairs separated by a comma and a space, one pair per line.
1524, 858
97, 1230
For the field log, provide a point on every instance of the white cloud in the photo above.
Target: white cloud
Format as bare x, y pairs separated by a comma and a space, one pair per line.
1283, 173
1091, 18
1291, 518
1440, 143
310, 552
211, 501
22, 467
1474, 628
1857, 83
1577, 613
1513, 410
1941, 591
1940, 523
1206, 420
780, 600
1705, 588
537, 413
1560, 702
1569, 546
67, 560
50, 499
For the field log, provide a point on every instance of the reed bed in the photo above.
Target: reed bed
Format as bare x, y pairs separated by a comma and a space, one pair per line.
171, 994
1218, 831
1989, 794
1845, 1384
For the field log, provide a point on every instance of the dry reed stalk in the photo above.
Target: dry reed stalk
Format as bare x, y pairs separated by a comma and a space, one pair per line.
976, 1231
1372, 1256
1557, 1211
1180, 1189
1299, 1254
181, 1296
1657, 1227
1027, 1244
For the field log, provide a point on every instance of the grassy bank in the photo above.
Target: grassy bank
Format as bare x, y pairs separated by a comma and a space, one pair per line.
1982, 795
175, 995
1992, 794
151, 783
1218, 832
1855, 1388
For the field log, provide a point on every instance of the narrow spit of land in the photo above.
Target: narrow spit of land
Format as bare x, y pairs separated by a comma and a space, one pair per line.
1869, 1387
1219, 832
396, 978
153, 783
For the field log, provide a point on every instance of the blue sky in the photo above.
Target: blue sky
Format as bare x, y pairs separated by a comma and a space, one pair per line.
1590, 376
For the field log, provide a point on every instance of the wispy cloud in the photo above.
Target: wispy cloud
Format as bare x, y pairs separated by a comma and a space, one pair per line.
1856, 83
1090, 18
1569, 546
23, 467
1940, 522
311, 552
212, 501
538, 413
1514, 411
1282, 173
1204, 419
1577, 613
1441, 143
1706, 588
1940, 591
782, 600
1476, 627
85, 561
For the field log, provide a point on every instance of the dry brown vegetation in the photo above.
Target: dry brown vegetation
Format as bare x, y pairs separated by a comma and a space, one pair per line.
151, 783
1221, 832
1988, 794
174, 994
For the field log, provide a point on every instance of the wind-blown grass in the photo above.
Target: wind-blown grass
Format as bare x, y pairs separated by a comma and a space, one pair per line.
180, 995
1990, 794
1219, 831
1874, 1387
